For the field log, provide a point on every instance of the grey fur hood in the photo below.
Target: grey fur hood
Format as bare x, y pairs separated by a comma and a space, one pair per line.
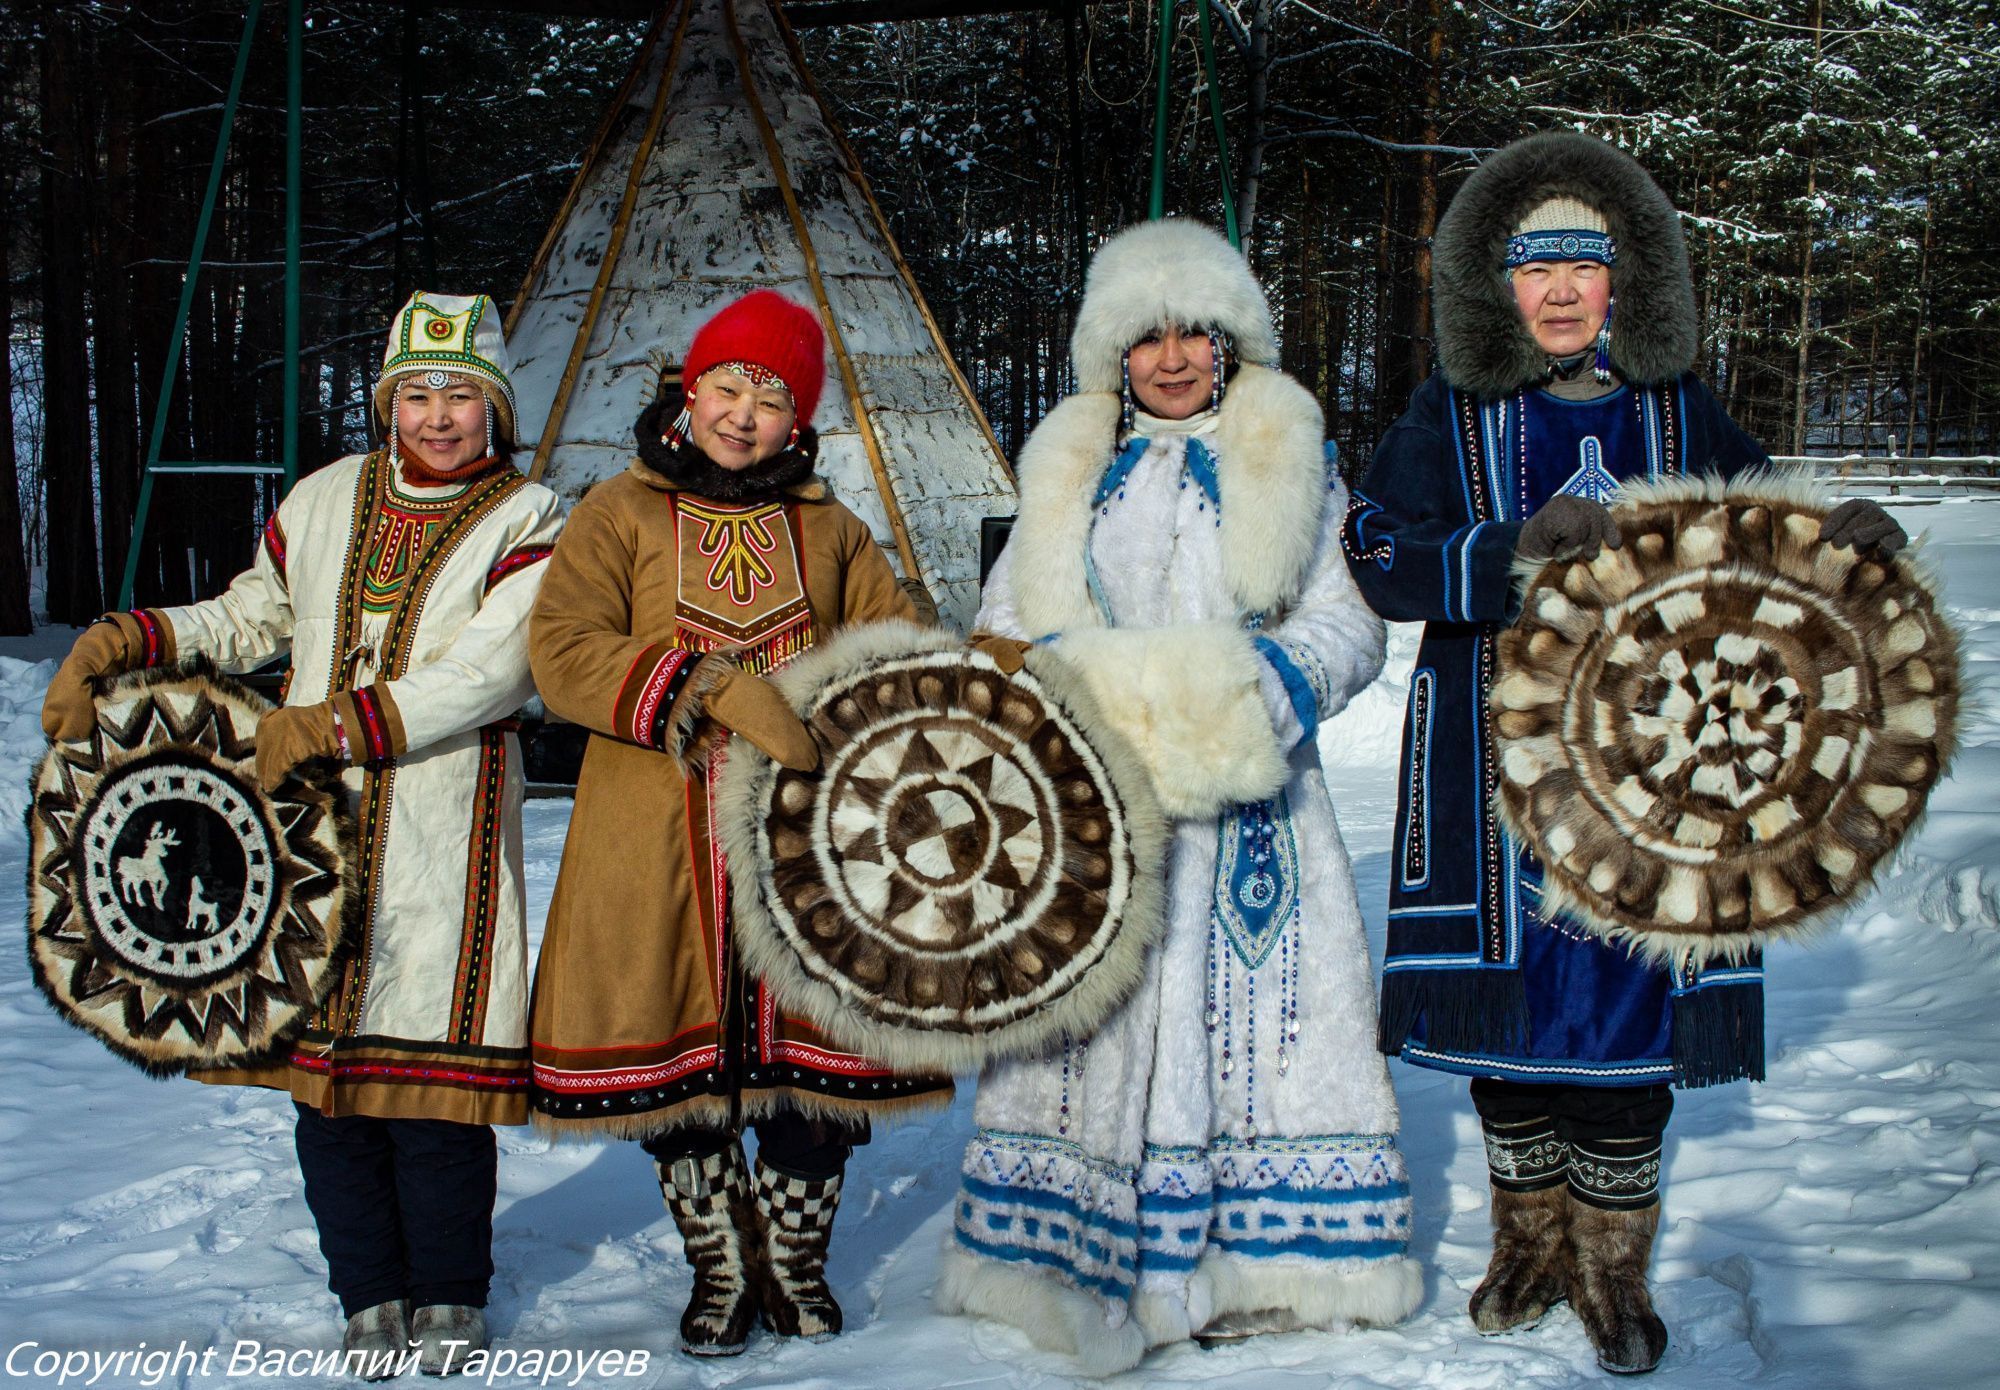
1484, 346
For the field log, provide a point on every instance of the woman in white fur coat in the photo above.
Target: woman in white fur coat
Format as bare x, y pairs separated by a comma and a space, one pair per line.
1219, 1158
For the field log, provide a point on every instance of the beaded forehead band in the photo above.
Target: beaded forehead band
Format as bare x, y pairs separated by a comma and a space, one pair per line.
750, 372
1561, 244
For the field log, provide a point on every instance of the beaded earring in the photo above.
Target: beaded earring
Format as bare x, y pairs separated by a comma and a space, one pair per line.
1601, 368
793, 442
676, 434
489, 426
1125, 393
396, 424
1218, 346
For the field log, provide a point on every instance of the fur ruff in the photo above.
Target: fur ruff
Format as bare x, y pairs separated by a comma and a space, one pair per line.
1189, 701
210, 716
1380, 1296
745, 799
1485, 347
1834, 681
1171, 271
1055, 1316
1271, 439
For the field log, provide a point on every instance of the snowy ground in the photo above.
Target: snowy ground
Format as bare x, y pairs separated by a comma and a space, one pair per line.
1838, 1225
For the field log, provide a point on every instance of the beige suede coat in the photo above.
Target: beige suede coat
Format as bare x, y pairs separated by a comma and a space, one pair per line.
642, 1020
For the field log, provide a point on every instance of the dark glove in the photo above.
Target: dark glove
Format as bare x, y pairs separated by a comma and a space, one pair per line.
1864, 525
292, 735
1568, 528
1006, 652
751, 706
109, 647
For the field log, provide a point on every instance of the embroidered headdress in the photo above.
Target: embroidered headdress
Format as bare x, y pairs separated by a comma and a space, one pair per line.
448, 335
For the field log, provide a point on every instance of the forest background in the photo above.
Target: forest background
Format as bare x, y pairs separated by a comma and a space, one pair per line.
1837, 163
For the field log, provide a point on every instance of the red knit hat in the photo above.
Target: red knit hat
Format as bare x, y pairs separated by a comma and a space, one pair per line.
766, 330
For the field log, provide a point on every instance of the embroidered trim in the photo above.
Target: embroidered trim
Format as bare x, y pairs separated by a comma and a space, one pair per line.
516, 560
1618, 1173
156, 646
1354, 534
650, 710
376, 746
1525, 1157
486, 858
1417, 828
274, 544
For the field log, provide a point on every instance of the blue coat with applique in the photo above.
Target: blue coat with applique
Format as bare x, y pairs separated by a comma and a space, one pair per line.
1477, 979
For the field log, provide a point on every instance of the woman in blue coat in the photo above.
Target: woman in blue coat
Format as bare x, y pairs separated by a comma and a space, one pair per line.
1567, 329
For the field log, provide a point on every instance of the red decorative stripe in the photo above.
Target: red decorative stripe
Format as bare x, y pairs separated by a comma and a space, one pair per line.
409, 1072
155, 644
517, 560
374, 728
653, 694
624, 1078
274, 544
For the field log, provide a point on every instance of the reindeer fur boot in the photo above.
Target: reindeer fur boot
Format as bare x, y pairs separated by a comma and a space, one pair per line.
797, 1223
709, 1199
1609, 1251
1529, 1271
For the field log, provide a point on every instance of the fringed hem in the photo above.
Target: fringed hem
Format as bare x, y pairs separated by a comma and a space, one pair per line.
1474, 1009
1055, 1316
1718, 1035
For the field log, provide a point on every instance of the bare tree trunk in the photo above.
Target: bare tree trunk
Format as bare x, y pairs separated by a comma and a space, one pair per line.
112, 357
1923, 323
73, 592
1257, 91
1805, 312
15, 617
1427, 194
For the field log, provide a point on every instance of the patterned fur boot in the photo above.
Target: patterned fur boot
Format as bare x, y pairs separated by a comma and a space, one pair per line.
1529, 1273
1609, 1250
797, 1216
709, 1199
1526, 1164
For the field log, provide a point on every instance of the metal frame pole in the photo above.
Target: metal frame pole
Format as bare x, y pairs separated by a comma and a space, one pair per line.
295, 65
156, 439
1221, 133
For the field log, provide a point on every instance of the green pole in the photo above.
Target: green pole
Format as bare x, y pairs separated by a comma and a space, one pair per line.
1221, 134
295, 52
156, 440
1159, 202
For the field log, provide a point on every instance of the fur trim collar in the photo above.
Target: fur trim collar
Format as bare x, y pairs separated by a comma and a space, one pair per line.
1156, 273
1484, 346
1271, 441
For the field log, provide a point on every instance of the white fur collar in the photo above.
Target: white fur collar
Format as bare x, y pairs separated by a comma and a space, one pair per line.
1272, 473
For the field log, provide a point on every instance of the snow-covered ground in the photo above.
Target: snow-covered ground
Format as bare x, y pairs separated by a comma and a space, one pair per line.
1837, 1225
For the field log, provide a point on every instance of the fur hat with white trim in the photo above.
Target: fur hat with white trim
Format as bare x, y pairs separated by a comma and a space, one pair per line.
1173, 271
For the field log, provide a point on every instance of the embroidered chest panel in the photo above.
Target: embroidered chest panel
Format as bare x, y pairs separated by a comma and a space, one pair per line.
742, 580
400, 530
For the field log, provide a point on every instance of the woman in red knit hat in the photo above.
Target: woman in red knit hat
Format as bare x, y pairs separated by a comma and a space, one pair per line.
713, 559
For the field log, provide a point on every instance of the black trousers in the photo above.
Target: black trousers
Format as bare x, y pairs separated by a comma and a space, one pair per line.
404, 1207
1603, 1141
795, 1145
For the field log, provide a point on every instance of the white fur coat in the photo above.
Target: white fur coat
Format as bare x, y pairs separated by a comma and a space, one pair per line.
1225, 1145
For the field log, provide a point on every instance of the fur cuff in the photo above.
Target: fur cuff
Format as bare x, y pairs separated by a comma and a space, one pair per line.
1055, 1316
1189, 699
1380, 1294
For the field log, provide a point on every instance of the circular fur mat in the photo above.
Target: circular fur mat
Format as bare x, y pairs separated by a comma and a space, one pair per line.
975, 869
175, 910
1713, 735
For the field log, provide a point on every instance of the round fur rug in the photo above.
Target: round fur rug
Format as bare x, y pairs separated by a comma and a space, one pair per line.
174, 910
1713, 735
975, 869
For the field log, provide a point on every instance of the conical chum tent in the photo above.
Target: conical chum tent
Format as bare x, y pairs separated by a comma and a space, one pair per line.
718, 171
